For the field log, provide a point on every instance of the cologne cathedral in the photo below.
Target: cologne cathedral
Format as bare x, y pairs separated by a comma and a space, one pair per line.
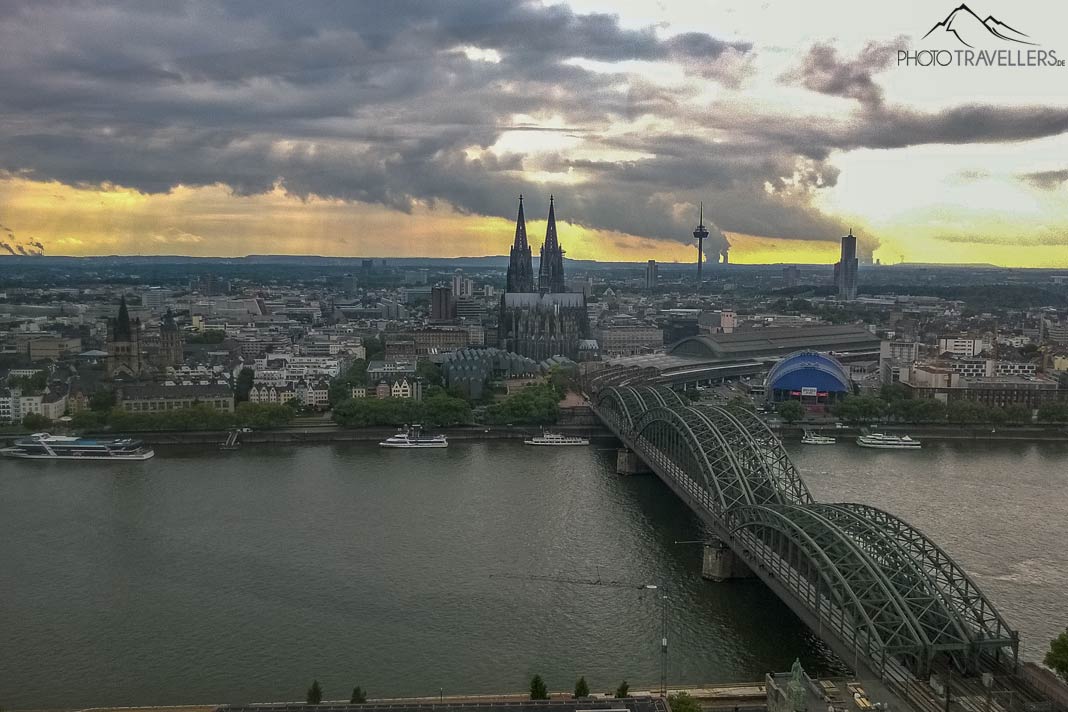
540, 320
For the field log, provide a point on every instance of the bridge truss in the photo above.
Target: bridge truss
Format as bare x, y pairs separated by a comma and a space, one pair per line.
876, 589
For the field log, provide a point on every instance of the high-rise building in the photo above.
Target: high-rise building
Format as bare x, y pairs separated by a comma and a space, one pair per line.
790, 276
520, 277
651, 275
845, 271
551, 268
442, 304
462, 286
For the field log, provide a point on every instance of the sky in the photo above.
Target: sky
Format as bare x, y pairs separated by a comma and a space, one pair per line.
410, 128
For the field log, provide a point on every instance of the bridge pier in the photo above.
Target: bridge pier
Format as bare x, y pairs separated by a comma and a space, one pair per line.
720, 564
629, 463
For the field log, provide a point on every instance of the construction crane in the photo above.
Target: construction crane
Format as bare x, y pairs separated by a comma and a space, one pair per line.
576, 581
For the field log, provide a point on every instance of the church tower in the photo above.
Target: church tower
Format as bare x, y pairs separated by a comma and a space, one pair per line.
170, 342
520, 276
551, 269
124, 345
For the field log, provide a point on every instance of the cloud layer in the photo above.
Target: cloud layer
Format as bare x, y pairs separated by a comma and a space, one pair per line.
408, 103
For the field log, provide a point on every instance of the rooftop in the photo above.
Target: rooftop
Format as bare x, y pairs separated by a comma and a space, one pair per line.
776, 341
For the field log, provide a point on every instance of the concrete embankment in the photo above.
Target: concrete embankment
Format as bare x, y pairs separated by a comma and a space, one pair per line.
329, 433
742, 695
988, 432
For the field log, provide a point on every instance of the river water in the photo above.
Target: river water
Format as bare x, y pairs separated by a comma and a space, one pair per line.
203, 576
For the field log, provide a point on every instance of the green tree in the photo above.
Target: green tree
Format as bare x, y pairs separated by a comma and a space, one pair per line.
535, 404
36, 421
891, 392
538, 691
791, 411
210, 336
315, 693
581, 688
966, 411
102, 401
374, 346
1017, 413
1053, 412
358, 696
1057, 657
623, 690
429, 372
858, 409
683, 702
88, 420
245, 378
30, 384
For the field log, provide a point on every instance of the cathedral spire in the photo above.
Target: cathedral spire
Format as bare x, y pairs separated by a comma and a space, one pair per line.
550, 228
520, 228
122, 324
520, 275
551, 268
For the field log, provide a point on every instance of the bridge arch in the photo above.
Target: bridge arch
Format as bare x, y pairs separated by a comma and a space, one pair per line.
888, 593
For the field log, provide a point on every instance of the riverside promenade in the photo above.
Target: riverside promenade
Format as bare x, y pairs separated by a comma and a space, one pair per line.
742, 696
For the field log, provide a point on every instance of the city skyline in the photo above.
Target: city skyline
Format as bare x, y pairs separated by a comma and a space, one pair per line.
406, 133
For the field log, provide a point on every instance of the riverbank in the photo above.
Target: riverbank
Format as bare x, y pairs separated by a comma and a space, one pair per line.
320, 432
332, 433
929, 431
729, 695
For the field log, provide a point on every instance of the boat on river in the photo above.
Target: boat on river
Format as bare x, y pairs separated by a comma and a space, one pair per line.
556, 440
44, 446
413, 438
888, 442
810, 438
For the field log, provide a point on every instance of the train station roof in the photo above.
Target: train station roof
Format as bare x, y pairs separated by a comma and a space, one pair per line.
772, 342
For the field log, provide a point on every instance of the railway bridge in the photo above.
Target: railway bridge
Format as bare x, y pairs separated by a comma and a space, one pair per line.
880, 593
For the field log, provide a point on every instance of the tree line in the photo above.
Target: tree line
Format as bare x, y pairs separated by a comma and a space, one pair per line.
894, 403
197, 417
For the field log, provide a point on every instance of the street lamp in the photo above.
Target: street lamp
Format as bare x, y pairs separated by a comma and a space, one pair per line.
663, 638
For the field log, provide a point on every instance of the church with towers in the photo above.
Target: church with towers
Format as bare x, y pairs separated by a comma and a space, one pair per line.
540, 319
133, 354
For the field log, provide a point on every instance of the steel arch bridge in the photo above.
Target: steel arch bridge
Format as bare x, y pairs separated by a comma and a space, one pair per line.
877, 590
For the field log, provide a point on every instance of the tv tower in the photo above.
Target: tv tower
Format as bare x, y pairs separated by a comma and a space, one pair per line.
699, 234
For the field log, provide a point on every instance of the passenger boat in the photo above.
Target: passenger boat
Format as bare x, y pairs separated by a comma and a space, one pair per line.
810, 438
556, 439
413, 438
43, 446
888, 442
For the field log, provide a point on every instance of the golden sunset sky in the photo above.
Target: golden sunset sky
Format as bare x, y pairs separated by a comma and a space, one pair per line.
409, 129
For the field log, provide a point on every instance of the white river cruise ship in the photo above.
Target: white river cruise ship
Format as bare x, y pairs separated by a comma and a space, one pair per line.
43, 446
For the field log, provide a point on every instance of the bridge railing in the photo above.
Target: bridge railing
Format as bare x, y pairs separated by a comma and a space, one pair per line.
833, 576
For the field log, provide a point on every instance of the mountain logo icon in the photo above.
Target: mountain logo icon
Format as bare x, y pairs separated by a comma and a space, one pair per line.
970, 30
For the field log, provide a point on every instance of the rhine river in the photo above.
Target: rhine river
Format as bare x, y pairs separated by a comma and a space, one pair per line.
203, 576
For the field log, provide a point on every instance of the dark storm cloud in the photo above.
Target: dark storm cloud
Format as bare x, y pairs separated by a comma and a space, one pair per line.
378, 102
876, 124
1046, 180
823, 70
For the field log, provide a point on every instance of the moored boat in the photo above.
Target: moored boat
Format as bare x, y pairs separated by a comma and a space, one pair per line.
412, 437
555, 439
888, 442
44, 446
810, 438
